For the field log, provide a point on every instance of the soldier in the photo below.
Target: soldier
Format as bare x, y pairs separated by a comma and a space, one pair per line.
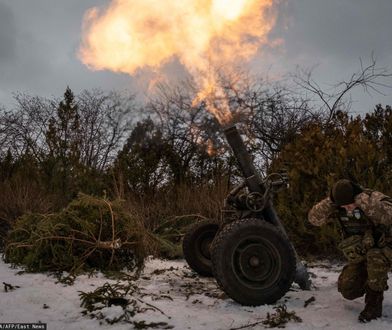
365, 220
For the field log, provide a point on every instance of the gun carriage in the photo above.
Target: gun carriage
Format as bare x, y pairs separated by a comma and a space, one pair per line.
248, 251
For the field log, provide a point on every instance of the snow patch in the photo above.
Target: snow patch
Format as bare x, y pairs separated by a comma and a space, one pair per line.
186, 301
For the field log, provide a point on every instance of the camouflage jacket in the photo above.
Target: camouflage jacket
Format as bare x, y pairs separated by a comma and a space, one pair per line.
375, 205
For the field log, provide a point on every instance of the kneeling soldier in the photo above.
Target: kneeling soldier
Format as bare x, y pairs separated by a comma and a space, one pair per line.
365, 220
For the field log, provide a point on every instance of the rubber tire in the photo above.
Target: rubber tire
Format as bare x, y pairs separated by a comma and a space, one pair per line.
222, 255
197, 260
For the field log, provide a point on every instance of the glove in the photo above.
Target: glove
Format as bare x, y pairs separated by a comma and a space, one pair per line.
368, 240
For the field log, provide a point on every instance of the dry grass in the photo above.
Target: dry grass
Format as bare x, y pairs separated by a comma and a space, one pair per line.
168, 214
20, 196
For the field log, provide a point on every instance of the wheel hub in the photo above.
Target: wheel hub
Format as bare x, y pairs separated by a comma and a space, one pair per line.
256, 263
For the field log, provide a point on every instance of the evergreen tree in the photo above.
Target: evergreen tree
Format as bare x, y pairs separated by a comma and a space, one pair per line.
64, 143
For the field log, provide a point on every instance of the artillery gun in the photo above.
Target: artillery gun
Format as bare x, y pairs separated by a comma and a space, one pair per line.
248, 251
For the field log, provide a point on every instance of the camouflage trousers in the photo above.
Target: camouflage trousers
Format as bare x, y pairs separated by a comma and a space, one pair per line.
373, 273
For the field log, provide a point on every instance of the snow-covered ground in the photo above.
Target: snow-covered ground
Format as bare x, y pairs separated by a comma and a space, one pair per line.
180, 300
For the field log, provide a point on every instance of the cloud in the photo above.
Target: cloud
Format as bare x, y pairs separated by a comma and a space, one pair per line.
333, 35
343, 29
7, 34
39, 40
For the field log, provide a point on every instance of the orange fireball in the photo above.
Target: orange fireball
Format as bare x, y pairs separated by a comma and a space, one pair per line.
202, 34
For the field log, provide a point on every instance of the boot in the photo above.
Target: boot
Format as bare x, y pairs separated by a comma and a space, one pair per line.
373, 306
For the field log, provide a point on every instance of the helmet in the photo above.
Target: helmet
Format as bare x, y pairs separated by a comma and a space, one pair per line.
343, 192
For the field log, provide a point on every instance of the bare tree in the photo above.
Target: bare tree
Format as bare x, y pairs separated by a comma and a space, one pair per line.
186, 128
269, 113
371, 78
277, 120
105, 121
24, 127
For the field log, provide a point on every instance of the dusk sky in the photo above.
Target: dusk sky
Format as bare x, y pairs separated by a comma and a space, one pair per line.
39, 41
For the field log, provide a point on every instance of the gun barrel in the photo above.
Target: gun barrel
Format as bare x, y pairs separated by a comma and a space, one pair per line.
252, 177
245, 162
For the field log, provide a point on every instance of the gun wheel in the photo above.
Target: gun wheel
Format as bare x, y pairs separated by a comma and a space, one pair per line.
196, 246
253, 262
